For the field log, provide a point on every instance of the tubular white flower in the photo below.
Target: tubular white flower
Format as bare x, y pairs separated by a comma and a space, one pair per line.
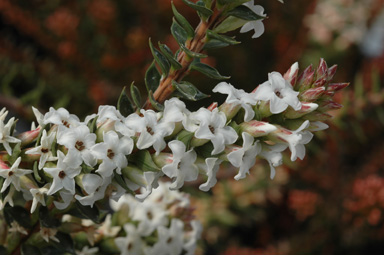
273, 155
95, 187
38, 196
279, 93
44, 150
237, 97
63, 175
113, 152
256, 25
12, 175
61, 117
132, 243
5, 135
244, 157
67, 198
78, 141
210, 166
182, 167
170, 240
3, 114
211, 125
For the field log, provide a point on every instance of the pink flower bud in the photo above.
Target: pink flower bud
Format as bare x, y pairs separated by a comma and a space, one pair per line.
230, 110
303, 77
320, 82
317, 116
313, 94
212, 106
305, 109
29, 136
322, 69
331, 72
337, 86
291, 74
329, 105
3, 165
257, 128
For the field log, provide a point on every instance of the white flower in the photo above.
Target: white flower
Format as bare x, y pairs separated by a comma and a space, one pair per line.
61, 117
8, 198
66, 197
182, 167
273, 155
244, 157
63, 175
132, 243
192, 237
170, 240
144, 179
44, 150
149, 217
174, 110
39, 117
88, 251
38, 196
210, 166
279, 93
256, 25
5, 137
95, 187
49, 233
237, 97
15, 227
13, 174
78, 141
295, 139
106, 229
211, 125
108, 112
3, 114
113, 152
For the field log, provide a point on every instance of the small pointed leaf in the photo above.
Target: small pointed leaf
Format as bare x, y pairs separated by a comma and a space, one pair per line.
136, 96
159, 58
188, 91
183, 22
191, 53
169, 55
243, 12
154, 103
215, 44
229, 24
222, 38
204, 11
144, 161
152, 77
124, 104
207, 70
120, 180
178, 32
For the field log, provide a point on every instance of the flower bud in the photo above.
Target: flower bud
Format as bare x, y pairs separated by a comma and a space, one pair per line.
257, 128
291, 74
29, 136
306, 108
322, 69
329, 105
337, 86
312, 94
331, 72
317, 116
305, 79
212, 106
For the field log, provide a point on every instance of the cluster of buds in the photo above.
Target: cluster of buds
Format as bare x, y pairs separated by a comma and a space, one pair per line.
66, 163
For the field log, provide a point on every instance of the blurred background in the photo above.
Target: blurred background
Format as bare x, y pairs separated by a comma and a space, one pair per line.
79, 54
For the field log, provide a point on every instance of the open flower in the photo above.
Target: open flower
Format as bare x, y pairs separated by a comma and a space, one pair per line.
256, 25
211, 125
244, 157
237, 97
279, 93
63, 175
113, 152
61, 117
78, 141
5, 135
182, 167
44, 150
210, 166
12, 175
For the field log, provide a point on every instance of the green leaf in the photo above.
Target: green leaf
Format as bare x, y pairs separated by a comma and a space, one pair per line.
124, 104
39, 136
207, 70
136, 96
201, 9
229, 24
178, 32
85, 212
154, 103
120, 180
231, 4
92, 125
15, 153
160, 59
188, 91
169, 55
152, 77
3, 250
186, 137
191, 53
208, 3
214, 44
48, 220
183, 22
243, 12
144, 161
226, 39
65, 243
36, 172
18, 214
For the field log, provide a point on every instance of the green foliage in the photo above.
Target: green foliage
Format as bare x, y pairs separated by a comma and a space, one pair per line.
124, 104
152, 77
183, 22
160, 59
143, 160
136, 96
188, 91
200, 8
154, 103
207, 70
169, 55
179, 32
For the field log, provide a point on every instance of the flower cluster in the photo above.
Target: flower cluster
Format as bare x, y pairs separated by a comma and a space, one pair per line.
110, 154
